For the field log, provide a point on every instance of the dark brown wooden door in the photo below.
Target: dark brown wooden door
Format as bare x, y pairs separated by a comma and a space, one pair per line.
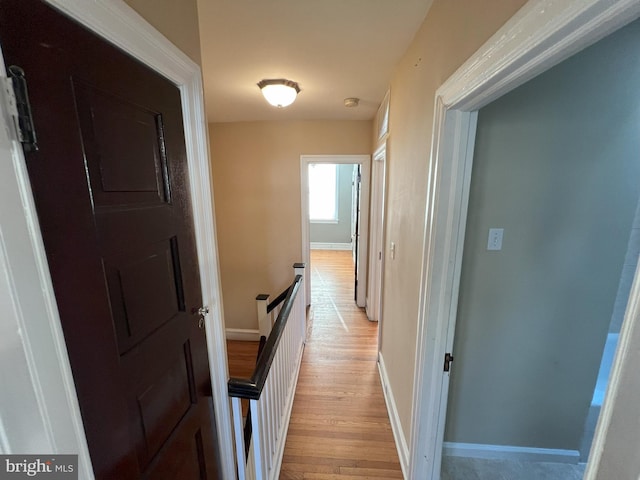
110, 184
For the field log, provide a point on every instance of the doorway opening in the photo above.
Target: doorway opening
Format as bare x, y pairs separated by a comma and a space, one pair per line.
534, 307
334, 192
334, 216
472, 87
335, 213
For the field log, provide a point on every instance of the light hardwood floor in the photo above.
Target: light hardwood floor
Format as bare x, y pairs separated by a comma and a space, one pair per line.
339, 426
242, 358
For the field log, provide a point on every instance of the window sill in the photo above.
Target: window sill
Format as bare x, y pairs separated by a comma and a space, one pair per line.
335, 222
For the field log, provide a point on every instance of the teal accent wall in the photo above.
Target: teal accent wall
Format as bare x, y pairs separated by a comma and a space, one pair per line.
557, 165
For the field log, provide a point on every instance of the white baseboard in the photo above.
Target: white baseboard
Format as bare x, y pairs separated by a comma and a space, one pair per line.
396, 426
509, 452
242, 334
329, 246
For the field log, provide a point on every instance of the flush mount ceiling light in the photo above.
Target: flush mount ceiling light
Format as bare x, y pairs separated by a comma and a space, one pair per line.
279, 92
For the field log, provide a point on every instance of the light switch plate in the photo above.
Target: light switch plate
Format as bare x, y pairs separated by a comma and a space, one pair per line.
495, 239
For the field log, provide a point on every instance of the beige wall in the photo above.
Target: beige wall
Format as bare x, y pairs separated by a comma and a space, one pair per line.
452, 31
256, 180
175, 19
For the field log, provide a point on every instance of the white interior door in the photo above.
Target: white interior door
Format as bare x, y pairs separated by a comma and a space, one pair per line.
376, 251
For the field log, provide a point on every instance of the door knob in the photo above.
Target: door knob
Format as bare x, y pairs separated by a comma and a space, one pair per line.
201, 312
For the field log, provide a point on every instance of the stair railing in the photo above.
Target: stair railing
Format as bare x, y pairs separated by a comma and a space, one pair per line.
271, 388
268, 311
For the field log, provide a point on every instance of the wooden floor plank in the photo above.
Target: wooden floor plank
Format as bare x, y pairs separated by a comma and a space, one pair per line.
241, 357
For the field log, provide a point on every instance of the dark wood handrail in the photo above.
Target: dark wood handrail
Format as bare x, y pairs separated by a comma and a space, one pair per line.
252, 388
280, 298
247, 423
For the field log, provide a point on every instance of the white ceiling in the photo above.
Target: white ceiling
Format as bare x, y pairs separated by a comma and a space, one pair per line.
333, 48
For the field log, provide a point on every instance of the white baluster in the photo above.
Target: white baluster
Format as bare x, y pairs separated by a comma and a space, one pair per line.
266, 399
257, 439
273, 421
236, 404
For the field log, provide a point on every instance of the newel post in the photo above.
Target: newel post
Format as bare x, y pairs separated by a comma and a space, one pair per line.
264, 318
298, 269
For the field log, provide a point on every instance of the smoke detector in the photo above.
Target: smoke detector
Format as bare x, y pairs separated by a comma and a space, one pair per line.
351, 102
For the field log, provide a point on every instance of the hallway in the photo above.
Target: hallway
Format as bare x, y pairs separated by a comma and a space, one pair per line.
339, 426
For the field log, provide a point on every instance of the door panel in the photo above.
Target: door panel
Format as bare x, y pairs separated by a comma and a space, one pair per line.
110, 185
162, 389
125, 149
145, 291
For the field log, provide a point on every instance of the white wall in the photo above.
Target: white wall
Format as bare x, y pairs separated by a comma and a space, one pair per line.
556, 165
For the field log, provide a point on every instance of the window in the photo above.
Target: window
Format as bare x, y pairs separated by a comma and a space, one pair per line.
323, 191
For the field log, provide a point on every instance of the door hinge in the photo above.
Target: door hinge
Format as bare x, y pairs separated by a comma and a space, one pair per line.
448, 358
17, 98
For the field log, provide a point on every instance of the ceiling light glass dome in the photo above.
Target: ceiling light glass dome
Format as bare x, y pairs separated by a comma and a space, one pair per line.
279, 92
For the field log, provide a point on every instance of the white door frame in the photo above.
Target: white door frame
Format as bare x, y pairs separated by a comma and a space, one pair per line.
365, 162
376, 235
356, 186
540, 35
39, 410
